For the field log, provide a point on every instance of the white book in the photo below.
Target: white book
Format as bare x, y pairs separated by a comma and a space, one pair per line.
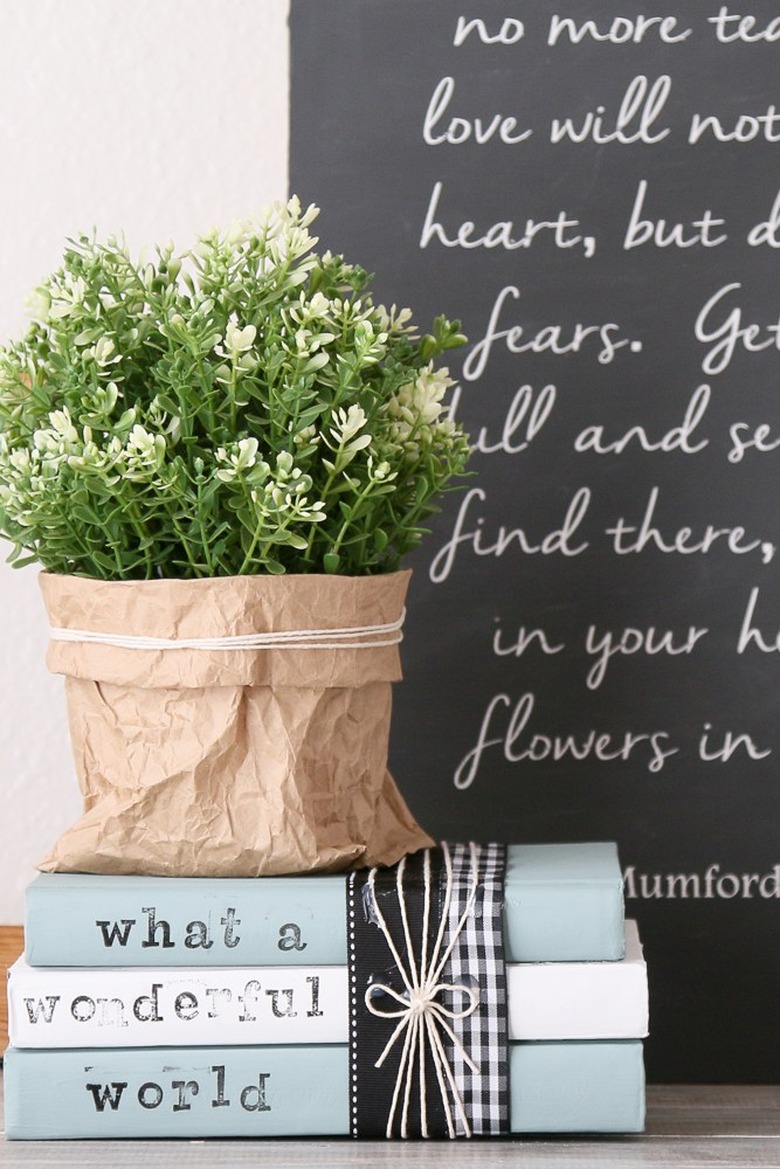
580, 1000
72, 1007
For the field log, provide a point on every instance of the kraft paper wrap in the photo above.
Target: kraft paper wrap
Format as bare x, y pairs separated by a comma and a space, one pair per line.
236, 763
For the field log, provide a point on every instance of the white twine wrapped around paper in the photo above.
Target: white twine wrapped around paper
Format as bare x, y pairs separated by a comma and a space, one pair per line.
421, 1016
346, 638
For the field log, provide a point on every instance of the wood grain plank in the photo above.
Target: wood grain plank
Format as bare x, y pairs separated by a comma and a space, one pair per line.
689, 1127
671, 1154
11, 946
714, 1110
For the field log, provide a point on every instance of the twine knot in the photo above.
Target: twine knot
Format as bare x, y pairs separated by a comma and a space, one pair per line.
422, 1001
422, 1016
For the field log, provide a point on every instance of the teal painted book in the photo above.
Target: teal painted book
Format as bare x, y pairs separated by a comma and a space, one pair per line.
563, 903
289, 1092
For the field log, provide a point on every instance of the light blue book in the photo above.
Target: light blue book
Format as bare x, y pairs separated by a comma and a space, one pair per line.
289, 1092
563, 902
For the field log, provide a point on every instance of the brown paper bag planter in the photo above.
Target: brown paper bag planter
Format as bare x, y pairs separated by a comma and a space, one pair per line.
212, 760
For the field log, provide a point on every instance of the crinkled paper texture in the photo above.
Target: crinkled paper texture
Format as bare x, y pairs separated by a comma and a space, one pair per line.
233, 763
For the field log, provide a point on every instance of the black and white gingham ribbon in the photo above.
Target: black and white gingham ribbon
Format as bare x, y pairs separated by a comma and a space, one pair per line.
478, 961
428, 1035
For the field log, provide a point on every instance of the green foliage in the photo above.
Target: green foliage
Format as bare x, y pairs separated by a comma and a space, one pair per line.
241, 408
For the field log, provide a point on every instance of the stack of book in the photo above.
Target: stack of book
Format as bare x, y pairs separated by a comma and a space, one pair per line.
148, 1007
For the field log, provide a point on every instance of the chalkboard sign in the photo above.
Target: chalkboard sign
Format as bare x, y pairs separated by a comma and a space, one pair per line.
593, 635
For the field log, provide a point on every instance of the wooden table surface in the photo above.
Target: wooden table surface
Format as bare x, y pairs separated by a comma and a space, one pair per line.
689, 1127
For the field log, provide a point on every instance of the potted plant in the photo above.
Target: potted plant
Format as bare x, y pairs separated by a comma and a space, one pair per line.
220, 459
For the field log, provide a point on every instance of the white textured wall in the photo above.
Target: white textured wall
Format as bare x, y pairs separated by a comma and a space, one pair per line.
158, 118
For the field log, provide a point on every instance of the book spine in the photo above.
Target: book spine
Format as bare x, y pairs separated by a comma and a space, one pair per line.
87, 921
565, 907
288, 1091
127, 1007
163, 1007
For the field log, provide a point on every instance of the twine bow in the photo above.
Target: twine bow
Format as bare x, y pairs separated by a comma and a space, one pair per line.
422, 1017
